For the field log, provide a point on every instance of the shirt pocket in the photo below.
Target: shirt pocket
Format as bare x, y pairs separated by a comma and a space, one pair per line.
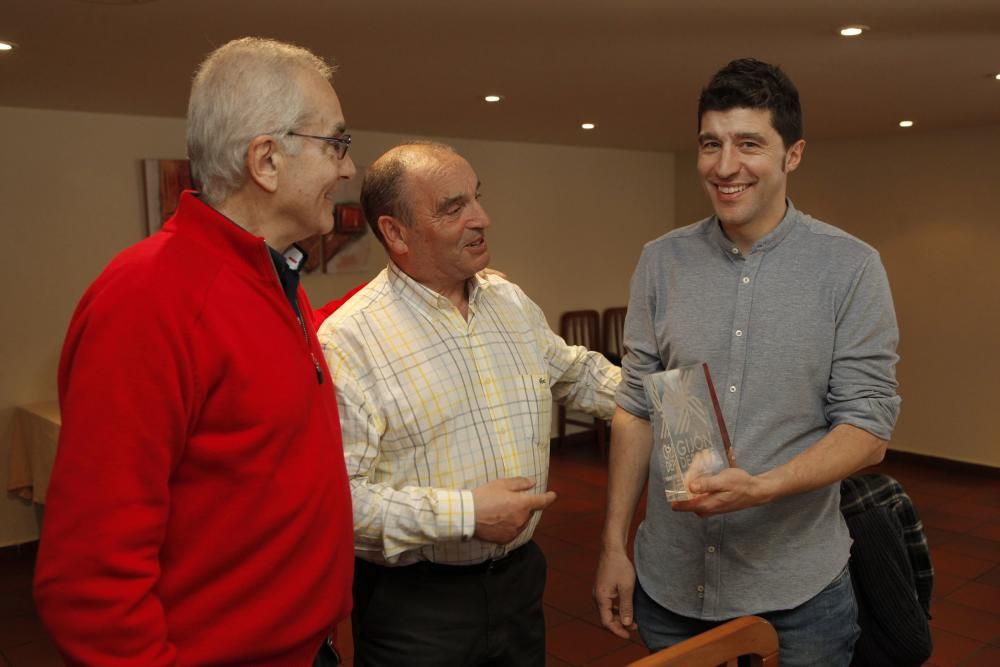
538, 395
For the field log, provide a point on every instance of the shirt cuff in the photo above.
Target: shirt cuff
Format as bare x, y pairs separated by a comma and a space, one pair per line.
454, 515
468, 515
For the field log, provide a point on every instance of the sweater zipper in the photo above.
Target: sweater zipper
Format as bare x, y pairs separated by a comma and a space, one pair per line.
298, 316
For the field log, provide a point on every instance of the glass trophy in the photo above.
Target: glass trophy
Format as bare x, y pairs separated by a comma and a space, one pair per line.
688, 430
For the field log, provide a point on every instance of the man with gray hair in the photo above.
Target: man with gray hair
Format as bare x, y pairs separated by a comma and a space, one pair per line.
199, 511
445, 382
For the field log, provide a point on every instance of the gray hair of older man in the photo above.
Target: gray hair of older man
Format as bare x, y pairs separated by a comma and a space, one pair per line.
242, 90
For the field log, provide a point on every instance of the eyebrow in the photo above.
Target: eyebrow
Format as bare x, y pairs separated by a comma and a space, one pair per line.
338, 129
753, 136
448, 202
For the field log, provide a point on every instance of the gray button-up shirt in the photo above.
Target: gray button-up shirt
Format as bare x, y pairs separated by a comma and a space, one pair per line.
800, 335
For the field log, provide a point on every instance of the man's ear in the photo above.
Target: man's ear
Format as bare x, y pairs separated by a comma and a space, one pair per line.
394, 231
264, 161
794, 155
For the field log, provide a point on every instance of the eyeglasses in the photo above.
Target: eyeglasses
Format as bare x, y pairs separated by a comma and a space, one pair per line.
340, 144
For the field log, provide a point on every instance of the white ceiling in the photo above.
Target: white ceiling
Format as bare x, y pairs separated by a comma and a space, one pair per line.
634, 67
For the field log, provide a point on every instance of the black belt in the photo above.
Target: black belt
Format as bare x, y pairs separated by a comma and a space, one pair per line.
426, 566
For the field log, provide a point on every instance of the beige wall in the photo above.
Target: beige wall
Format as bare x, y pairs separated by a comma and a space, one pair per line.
928, 203
568, 225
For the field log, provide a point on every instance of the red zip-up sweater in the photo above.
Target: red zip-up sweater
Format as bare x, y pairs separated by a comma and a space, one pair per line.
198, 511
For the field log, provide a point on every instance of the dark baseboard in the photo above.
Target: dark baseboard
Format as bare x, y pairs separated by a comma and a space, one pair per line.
585, 438
582, 438
938, 463
18, 552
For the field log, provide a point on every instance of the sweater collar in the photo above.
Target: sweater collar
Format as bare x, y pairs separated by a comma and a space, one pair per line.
233, 245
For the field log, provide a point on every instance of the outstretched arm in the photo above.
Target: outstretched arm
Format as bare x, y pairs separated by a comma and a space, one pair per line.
628, 469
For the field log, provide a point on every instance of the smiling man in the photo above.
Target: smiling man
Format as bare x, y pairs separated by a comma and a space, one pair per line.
445, 382
199, 512
795, 320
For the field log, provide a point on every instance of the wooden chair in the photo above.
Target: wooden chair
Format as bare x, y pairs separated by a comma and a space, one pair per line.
612, 333
745, 636
582, 327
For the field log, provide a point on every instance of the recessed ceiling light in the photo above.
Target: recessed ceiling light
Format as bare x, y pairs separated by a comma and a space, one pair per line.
588, 126
906, 123
853, 30
493, 99
997, 77
7, 46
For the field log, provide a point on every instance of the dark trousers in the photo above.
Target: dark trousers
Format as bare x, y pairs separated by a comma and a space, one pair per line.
429, 614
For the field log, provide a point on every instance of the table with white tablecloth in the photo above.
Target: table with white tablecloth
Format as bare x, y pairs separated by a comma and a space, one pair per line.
33, 444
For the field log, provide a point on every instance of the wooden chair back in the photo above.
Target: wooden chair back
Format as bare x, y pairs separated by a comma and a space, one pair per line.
612, 334
722, 645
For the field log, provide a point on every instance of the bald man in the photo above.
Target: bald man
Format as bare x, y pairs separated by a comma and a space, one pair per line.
445, 382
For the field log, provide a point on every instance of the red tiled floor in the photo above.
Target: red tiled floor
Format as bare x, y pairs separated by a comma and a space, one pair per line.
971, 509
581, 562
976, 547
988, 531
992, 577
578, 642
569, 593
581, 531
978, 596
623, 656
935, 518
987, 656
962, 522
951, 649
964, 621
945, 584
960, 565
939, 536
554, 617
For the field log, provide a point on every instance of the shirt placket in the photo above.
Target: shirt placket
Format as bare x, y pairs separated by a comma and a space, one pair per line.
739, 336
710, 591
495, 397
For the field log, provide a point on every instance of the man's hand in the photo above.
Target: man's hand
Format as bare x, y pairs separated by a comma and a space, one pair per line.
728, 491
613, 592
503, 509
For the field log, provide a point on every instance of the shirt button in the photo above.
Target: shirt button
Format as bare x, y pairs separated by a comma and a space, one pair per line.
701, 596
701, 589
732, 389
746, 280
735, 250
711, 550
739, 332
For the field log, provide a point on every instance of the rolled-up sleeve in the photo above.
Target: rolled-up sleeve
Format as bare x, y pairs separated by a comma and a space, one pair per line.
642, 355
862, 389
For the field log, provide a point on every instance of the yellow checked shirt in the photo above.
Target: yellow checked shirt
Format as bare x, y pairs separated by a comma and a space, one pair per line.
432, 406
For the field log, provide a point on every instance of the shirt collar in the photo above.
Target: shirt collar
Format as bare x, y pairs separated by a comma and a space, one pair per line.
426, 298
775, 237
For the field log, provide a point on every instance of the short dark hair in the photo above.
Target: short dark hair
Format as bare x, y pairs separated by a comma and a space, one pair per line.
380, 193
748, 83
382, 187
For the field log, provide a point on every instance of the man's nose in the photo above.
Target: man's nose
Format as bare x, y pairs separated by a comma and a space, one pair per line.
480, 219
728, 163
347, 168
